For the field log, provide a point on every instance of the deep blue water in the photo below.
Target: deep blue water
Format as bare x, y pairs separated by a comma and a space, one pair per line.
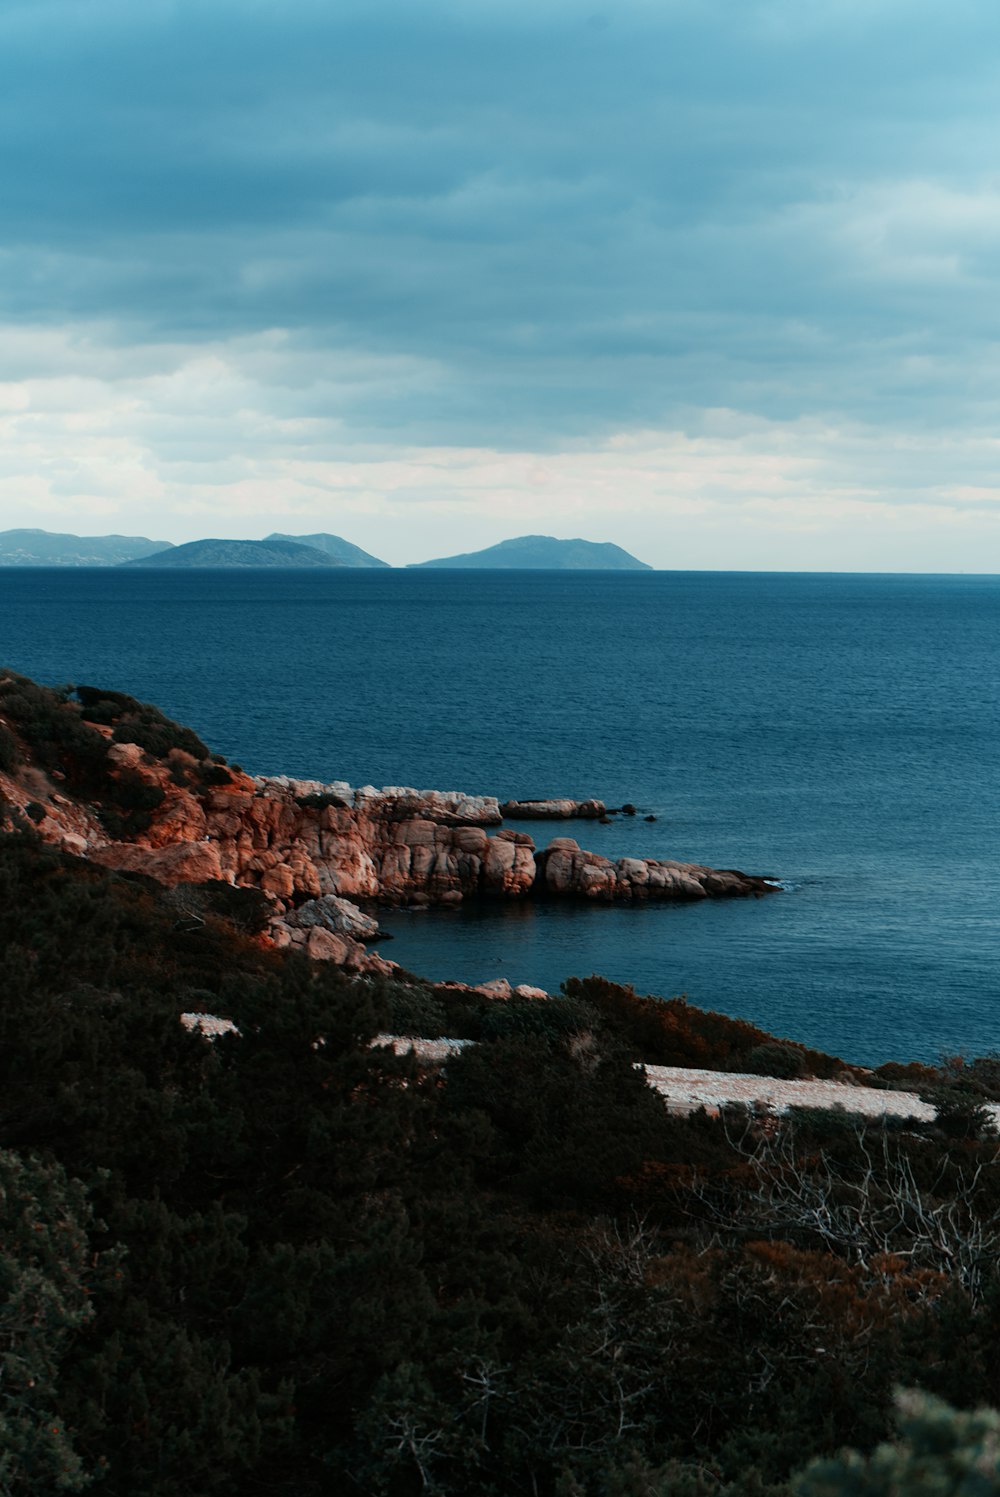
838, 732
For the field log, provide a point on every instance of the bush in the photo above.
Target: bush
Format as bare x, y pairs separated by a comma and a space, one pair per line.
671, 1032
416, 1012
786, 1062
940, 1453
54, 731
961, 1112
215, 775
138, 722
320, 802
10, 758
547, 1018
129, 803
246, 910
105, 707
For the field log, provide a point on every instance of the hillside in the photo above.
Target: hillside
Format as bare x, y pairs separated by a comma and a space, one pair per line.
334, 545
545, 553
248, 1247
230, 553
44, 548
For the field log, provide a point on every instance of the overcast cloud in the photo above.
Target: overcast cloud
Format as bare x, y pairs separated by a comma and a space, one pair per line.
717, 280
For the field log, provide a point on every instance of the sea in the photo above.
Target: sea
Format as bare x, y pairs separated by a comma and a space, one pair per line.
837, 733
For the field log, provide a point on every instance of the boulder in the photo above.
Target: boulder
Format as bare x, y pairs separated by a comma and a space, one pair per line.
334, 914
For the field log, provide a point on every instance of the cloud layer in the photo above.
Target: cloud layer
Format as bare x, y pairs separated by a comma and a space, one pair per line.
617, 271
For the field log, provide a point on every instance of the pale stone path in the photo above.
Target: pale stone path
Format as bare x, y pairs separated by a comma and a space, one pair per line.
685, 1090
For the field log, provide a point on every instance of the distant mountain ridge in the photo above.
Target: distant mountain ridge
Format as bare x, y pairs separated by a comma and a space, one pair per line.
545, 553
334, 545
45, 548
229, 553
42, 548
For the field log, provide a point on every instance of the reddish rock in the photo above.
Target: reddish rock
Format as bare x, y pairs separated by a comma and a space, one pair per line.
313, 847
323, 946
181, 863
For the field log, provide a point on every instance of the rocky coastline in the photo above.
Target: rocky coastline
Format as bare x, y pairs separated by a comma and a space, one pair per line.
317, 851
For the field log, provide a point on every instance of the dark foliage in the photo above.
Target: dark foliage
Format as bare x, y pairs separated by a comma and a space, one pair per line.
285, 1261
673, 1033
321, 801
128, 803
247, 909
53, 729
215, 774
774, 1059
138, 722
10, 757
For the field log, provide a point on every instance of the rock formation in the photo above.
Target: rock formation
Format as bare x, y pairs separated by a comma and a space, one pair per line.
313, 849
565, 869
554, 810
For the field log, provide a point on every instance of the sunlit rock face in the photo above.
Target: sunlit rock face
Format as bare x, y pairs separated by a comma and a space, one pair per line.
301, 840
312, 849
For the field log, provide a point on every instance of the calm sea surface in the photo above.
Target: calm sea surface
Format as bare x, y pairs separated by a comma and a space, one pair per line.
841, 733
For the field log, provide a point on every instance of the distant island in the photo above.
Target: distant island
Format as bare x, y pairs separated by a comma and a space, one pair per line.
545, 553
226, 553
334, 545
43, 548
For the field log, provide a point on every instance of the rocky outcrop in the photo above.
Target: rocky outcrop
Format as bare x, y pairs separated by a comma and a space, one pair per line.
554, 810
566, 870
337, 915
314, 849
304, 843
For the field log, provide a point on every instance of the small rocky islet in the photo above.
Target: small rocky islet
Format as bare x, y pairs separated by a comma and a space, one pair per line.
110, 779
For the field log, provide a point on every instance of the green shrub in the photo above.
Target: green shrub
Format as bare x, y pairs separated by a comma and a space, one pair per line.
415, 1011
961, 1112
105, 707
787, 1062
547, 1018
940, 1453
671, 1032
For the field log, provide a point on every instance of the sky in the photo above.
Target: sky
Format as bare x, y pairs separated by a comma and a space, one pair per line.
718, 280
